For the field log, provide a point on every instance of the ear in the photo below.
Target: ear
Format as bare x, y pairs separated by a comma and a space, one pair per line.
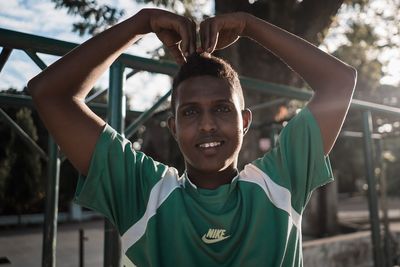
247, 118
172, 126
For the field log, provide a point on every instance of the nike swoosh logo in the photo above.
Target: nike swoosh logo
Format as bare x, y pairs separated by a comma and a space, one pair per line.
214, 240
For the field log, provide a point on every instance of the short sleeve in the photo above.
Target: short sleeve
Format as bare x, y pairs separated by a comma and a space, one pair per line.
298, 162
119, 180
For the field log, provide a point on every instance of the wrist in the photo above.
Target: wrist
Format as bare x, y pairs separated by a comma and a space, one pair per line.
246, 18
142, 21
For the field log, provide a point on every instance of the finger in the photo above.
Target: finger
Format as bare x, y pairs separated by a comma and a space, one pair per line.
177, 54
184, 30
201, 35
192, 43
172, 41
213, 37
204, 33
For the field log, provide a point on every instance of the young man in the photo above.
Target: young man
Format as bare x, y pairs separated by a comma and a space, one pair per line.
212, 215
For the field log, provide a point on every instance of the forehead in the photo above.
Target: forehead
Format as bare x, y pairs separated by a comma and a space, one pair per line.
204, 89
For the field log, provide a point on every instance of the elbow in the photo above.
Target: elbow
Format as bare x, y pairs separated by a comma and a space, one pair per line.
39, 89
33, 87
350, 79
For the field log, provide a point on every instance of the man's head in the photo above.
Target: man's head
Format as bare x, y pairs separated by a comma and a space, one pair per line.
204, 65
209, 119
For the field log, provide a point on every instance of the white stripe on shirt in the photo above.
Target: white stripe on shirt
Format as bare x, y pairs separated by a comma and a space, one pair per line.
158, 194
278, 195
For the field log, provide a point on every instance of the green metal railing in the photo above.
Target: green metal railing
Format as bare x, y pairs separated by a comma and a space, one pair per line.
116, 113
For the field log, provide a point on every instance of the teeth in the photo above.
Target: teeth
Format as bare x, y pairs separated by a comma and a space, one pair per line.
212, 144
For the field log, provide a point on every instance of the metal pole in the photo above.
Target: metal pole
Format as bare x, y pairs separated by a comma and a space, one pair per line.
116, 118
51, 209
372, 194
384, 204
52, 189
274, 135
81, 247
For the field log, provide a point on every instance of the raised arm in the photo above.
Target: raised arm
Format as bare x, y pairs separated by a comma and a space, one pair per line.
59, 91
332, 80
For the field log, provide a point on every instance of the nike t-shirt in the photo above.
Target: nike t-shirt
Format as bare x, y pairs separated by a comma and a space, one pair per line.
165, 220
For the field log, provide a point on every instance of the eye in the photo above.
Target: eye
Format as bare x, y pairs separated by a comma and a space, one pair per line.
223, 108
189, 112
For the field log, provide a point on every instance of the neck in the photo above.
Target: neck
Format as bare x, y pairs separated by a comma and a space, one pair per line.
211, 180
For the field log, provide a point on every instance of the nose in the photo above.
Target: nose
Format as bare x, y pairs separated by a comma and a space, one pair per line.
207, 122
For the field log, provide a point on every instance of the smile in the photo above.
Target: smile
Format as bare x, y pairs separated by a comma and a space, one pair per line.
210, 144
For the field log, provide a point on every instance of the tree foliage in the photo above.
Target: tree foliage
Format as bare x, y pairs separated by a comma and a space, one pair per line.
359, 52
21, 181
94, 17
366, 42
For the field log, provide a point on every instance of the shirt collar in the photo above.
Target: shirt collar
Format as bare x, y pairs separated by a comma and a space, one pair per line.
186, 180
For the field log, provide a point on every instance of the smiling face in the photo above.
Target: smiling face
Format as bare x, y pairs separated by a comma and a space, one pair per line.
209, 125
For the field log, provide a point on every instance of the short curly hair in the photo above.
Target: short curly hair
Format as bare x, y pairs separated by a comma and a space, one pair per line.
206, 64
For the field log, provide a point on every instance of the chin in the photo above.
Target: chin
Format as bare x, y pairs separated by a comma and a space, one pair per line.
214, 168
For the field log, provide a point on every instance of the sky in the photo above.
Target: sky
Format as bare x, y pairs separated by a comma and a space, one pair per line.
39, 17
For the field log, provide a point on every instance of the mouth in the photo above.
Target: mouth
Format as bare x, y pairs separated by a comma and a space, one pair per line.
213, 144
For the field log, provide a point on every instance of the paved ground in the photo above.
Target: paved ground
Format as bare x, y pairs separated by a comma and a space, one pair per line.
23, 246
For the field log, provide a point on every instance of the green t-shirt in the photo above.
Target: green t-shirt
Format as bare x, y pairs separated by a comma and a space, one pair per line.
164, 220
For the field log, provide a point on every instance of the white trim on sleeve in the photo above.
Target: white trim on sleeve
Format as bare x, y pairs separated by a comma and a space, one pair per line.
278, 195
158, 194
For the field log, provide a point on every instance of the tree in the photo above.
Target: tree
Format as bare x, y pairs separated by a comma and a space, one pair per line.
95, 17
364, 48
21, 181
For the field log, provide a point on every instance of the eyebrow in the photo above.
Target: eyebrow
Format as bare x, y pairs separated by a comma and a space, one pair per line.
219, 101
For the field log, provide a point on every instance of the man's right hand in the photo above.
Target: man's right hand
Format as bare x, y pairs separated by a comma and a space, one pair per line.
178, 33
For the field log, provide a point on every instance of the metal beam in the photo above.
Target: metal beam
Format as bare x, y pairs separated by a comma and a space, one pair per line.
19, 40
134, 126
4, 55
38, 44
268, 104
372, 194
95, 95
11, 100
365, 105
39, 62
358, 134
275, 89
25, 137
133, 72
